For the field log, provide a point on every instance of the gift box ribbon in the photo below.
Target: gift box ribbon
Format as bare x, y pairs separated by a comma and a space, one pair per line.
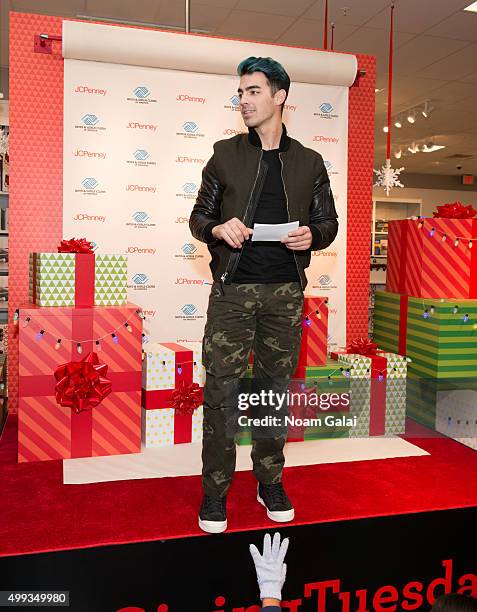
455, 210
377, 412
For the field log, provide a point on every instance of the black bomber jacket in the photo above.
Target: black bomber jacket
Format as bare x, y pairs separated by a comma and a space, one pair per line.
232, 181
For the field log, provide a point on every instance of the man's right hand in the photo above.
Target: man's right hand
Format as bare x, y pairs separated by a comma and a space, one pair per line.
233, 231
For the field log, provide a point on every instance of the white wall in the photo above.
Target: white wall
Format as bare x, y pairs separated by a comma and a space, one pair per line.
431, 197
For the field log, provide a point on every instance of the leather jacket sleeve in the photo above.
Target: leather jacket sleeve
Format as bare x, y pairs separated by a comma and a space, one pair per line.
206, 212
323, 217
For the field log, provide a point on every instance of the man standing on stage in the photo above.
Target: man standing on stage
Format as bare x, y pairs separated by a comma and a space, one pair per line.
256, 300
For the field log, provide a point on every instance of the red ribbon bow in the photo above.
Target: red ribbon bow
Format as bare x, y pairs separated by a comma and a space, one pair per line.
186, 398
82, 385
75, 245
455, 210
362, 346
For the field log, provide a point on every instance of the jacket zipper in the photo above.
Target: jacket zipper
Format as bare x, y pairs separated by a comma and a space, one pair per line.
288, 213
227, 269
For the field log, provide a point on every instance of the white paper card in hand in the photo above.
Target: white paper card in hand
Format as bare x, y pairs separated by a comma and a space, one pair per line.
272, 231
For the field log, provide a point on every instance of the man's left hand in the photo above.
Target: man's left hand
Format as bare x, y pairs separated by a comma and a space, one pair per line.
299, 239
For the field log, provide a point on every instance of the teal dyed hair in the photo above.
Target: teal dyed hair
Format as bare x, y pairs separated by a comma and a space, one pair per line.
276, 74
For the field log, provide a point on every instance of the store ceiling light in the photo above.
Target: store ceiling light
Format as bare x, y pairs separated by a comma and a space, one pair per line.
397, 154
398, 123
431, 147
385, 129
411, 117
427, 110
472, 7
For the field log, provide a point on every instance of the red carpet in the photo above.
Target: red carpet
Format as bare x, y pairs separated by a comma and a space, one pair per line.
38, 513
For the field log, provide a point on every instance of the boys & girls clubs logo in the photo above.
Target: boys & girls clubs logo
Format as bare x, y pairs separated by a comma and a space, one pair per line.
188, 191
140, 220
325, 111
190, 129
90, 186
141, 282
141, 95
90, 123
189, 251
141, 158
189, 312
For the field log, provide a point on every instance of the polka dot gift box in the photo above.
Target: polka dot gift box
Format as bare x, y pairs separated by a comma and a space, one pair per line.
168, 367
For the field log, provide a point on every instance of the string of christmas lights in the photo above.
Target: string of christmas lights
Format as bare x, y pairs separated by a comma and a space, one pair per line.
456, 240
429, 311
306, 317
79, 343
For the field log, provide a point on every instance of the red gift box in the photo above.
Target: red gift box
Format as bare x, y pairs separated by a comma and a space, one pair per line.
48, 430
314, 341
163, 398
424, 259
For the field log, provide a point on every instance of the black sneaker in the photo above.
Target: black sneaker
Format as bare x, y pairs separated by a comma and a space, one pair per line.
212, 514
273, 497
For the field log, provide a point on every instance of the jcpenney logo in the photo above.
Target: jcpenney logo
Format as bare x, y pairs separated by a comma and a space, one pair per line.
183, 159
141, 188
188, 281
141, 95
232, 132
182, 220
90, 90
135, 125
187, 98
140, 251
85, 217
324, 254
89, 154
326, 139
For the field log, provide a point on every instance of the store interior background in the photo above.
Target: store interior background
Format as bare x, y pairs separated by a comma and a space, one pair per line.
435, 59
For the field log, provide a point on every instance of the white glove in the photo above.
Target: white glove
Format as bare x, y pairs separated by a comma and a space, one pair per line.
271, 570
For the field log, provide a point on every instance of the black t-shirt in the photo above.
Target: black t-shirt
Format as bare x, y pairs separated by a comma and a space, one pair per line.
263, 261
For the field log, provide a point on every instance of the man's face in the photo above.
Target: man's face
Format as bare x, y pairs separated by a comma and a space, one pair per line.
257, 103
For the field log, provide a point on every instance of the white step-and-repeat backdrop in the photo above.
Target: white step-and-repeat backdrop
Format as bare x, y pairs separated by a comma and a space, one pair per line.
135, 142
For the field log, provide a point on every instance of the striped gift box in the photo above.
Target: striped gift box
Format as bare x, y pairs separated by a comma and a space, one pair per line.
314, 342
422, 264
47, 430
439, 339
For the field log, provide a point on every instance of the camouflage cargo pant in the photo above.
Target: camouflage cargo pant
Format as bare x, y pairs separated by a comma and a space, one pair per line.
265, 318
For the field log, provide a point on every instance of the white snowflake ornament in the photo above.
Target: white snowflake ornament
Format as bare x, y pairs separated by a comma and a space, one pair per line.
388, 177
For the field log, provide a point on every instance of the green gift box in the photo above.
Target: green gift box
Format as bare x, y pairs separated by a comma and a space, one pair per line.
78, 279
424, 395
438, 335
